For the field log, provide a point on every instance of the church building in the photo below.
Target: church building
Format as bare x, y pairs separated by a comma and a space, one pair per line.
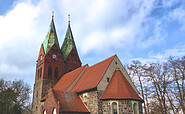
64, 86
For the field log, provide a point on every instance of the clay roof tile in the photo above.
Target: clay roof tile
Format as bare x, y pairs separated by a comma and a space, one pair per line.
120, 88
92, 76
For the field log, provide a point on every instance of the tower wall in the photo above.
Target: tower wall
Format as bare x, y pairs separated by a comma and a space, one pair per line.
72, 62
46, 76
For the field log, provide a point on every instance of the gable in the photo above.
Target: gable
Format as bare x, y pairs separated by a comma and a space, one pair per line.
120, 88
50, 103
92, 76
70, 102
116, 63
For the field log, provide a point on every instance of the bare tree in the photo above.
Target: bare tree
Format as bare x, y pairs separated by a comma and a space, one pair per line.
177, 70
161, 85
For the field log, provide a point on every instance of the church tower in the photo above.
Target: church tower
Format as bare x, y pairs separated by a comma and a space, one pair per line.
53, 63
69, 51
49, 68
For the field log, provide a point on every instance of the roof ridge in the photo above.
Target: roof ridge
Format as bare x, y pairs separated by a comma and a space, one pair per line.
103, 60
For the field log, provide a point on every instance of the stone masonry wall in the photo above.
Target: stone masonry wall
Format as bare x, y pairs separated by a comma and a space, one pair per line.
123, 106
90, 99
40, 90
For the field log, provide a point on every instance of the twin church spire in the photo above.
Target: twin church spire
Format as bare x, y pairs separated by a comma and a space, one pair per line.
51, 38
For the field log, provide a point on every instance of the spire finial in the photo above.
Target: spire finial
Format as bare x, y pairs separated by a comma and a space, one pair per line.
69, 18
53, 12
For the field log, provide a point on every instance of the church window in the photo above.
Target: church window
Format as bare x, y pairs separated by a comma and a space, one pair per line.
56, 73
54, 111
40, 57
108, 79
135, 108
37, 94
114, 108
44, 111
49, 72
40, 72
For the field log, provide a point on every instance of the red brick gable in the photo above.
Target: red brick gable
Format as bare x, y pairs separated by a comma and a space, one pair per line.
68, 79
52, 62
72, 61
70, 102
120, 88
92, 76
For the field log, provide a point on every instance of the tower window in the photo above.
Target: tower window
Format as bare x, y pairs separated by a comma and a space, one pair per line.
37, 94
56, 73
40, 72
49, 72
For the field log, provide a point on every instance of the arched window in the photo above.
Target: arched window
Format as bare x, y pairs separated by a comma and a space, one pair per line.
56, 73
40, 72
44, 111
54, 111
135, 108
49, 72
37, 94
114, 108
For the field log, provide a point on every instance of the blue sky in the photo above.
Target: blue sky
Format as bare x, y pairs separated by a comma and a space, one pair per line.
148, 30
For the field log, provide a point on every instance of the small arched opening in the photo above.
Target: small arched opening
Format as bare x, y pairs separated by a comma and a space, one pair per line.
114, 108
135, 108
44, 111
49, 72
56, 73
40, 72
54, 111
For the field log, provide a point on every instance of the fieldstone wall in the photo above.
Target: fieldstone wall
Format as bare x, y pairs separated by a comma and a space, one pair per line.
123, 106
90, 99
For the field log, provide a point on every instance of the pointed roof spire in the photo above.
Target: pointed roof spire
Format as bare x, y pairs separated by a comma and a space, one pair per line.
51, 37
69, 42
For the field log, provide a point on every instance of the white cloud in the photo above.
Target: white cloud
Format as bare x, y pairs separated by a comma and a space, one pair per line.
179, 15
17, 42
158, 36
177, 51
98, 26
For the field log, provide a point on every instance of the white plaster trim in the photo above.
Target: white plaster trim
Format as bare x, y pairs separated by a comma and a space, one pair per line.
114, 101
137, 106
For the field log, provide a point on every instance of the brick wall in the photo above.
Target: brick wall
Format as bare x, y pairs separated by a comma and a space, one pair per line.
50, 104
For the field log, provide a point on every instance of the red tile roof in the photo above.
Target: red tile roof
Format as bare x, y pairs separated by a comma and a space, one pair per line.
68, 79
69, 102
120, 88
92, 76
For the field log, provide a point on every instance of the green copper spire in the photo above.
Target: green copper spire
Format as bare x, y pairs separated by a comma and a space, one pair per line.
51, 37
68, 43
